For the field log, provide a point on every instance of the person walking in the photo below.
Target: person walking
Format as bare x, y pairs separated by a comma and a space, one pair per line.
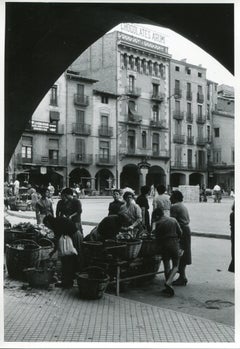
43, 205
180, 212
142, 201
115, 205
62, 227
167, 233
70, 207
162, 200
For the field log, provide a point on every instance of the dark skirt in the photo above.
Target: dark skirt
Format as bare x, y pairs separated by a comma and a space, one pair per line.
185, 244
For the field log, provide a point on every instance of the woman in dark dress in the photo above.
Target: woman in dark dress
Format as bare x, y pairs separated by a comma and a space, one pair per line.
180, 212
142, 201
70, 264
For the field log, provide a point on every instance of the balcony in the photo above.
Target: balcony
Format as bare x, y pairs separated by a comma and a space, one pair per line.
177, 138
81, 129
202, 141
189, 96
181, 165
44, 127
158, 97
190, 140
200, 97
133, 119
201, 119
83, 159
105, 131
133, 91
81, 100
177, 93
158, 123
133, 152
189, 117
178, 115
105, 160
160, 154
41, 160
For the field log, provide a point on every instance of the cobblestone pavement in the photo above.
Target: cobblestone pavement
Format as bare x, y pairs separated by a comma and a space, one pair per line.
61, 316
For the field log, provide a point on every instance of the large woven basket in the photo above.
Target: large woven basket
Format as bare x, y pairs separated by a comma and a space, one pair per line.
148, 248
46, 246
132, 249
92, 283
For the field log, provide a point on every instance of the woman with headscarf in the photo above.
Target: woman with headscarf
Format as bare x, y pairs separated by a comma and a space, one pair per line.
180, 212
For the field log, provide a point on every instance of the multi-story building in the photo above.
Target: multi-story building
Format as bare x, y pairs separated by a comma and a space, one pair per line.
138, 72
222, 162
126, 114
191, 123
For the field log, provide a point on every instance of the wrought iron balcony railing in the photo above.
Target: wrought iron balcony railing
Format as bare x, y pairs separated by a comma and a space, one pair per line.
133, 91
105, 160
177, 138
158, 123
81, 100
81, 129
178, 115
105, 131
85, 159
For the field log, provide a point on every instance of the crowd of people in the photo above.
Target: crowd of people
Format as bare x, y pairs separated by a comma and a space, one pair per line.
168, 224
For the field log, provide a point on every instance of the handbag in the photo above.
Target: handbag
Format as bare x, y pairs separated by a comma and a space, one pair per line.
65, 246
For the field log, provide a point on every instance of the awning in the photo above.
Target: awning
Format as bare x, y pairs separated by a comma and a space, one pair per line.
54, 116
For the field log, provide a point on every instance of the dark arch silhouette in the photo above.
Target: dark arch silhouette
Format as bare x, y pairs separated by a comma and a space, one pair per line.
42, 40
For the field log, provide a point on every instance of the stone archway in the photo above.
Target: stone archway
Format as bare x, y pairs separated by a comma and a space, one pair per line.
196, 179
156, 175
104, 181
130, 177
177, 179
79, 176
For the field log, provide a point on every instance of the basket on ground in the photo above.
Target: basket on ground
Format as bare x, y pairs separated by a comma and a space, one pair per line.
21, 254
92, 283
46, 246
39, 277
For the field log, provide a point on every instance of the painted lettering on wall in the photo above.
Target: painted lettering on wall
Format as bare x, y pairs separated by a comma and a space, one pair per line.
142, 32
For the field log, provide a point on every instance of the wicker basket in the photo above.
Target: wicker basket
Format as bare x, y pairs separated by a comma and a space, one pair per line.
92, 283
115, 248
39, 277
46, 246
148, 248
132, 249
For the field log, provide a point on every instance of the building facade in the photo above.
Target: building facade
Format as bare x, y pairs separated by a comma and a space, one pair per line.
126, 114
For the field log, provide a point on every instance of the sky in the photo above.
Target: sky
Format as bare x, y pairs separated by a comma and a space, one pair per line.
180, 48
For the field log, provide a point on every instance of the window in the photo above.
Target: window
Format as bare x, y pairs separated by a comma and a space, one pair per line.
125, 60
27, 148
189, 109
156, 69
177, 84
150, 67
199, 110
216, 132
208, 112
104, 99
138, 64
80, 90
177, 106
199, 75
208, 133
155, 143
155, 89
131, 141
144, 66
80, 148
189, 131
53, 97
80, 116
188, 71
144, 139
155, 113
131, 62
188, 88
178, 127
53, 151
104, 150
131, 83
200, 89
189, 157
217, 156
177, 68
200, 132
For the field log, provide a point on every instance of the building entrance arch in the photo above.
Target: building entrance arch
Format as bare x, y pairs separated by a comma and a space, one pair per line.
196, 179
79, 176
130, 177
156, 175
177, 179
104, 180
